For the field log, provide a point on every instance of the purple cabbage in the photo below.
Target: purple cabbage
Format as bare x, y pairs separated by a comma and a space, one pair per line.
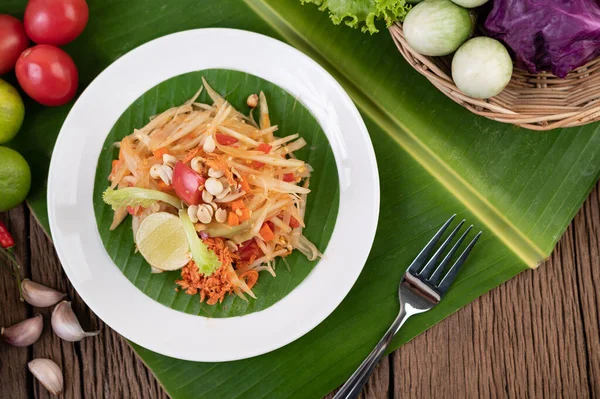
547, 35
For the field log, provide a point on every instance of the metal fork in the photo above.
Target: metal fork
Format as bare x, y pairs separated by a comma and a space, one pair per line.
421, 288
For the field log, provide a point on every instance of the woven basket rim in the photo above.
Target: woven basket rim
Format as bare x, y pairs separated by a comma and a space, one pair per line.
534, 101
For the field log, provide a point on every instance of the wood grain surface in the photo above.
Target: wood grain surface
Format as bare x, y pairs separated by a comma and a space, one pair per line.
536, 336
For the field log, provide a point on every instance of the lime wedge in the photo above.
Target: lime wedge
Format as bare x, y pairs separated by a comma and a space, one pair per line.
162, 242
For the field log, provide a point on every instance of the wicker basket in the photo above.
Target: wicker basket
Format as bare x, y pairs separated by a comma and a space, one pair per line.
534, 101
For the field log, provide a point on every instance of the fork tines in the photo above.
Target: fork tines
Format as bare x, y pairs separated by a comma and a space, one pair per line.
432, 271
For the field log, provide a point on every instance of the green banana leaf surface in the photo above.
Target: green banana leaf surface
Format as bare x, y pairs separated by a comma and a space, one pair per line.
522, 188
291, 117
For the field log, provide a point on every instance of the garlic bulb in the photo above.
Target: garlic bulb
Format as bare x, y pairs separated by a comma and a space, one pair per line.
39, 295
48, 374
24, 333
66, 325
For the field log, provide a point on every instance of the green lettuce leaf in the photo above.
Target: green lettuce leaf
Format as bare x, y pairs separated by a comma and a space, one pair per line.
135, 196
206, 259
363, 13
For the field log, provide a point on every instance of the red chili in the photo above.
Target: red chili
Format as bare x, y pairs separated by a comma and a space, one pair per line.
6, 239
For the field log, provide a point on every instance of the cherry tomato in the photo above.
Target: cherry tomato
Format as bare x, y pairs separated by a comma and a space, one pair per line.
13, 41
47, 74
224, 139
56, 22
186, 183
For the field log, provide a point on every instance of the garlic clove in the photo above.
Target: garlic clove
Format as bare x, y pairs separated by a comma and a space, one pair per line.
48, 374
39, 295
66, 325
24, 333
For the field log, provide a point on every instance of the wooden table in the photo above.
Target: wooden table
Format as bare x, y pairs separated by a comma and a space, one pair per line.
536, 336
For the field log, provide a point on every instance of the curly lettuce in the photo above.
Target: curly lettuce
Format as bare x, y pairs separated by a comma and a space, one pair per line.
206, 260
363, 13
135, 196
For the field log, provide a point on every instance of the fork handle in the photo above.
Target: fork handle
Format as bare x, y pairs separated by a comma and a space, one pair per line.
352, 388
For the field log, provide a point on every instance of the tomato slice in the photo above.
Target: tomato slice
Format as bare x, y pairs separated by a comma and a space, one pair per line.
249, 248
264, 147
224, 139
289, 177
294, 223
186, 183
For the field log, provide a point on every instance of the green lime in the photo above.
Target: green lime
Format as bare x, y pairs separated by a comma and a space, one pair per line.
12, 112
15, 178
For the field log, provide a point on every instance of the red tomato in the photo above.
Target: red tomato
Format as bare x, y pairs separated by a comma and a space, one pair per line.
186, 183
56, 22
289, 177
13, 41
264, 147
257, 164
249, 248
47, 74
224, 139
294, 223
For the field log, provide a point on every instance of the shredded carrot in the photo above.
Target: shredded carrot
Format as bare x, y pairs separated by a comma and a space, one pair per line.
245, 185
237, 204
266, 233
233, 219
160, 152
245, 214
191, 154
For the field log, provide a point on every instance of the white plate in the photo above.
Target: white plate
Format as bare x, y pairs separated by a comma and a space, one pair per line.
102, 285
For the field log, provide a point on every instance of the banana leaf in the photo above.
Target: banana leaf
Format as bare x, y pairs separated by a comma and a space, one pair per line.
435, 158
291, 117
